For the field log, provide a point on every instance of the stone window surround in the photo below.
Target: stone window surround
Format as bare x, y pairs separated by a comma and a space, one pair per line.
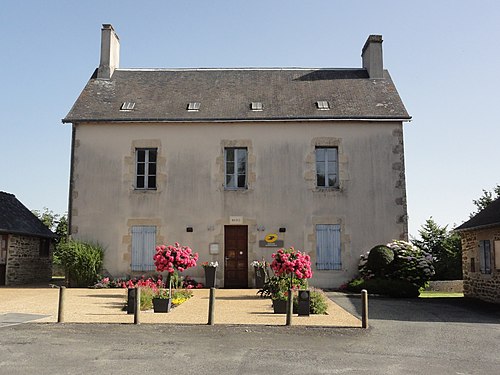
127, 239
129, 162
251, 160
345, 240
310, 165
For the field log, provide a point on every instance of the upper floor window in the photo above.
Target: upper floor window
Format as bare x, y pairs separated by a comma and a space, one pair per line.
485, 256
327, 167
145, 171
235, 161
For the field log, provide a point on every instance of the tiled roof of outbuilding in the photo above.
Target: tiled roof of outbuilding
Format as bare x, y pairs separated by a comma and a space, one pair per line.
488, 217
16, 218
226, 95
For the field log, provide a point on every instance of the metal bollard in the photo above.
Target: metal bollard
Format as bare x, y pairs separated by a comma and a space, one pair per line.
364, 308
211, 307
289, 308
137, 306
60, 311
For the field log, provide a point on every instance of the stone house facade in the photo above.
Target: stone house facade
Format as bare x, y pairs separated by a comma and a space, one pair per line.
236, 163
481, 254
25, 244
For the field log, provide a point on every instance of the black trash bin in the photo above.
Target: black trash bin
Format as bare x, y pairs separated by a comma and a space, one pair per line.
130, 300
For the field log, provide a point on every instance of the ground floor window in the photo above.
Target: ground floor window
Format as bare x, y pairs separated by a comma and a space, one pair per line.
44, 250
485, 256
143, 247
328, 251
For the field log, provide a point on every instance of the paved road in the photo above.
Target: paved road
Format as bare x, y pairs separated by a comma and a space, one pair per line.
406, 337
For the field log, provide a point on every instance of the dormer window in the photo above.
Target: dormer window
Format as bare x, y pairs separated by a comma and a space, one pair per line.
193, 107
323, 105
127, 106
256, 106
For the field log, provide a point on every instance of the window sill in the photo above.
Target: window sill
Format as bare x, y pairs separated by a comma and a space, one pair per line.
327, 189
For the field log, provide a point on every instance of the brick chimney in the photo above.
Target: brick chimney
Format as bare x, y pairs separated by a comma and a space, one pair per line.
110, 52
372, 56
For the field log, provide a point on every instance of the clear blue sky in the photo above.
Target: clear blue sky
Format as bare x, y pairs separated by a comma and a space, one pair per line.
444, 57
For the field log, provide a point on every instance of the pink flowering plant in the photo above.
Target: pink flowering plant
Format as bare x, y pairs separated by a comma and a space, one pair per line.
292, 262
171, 258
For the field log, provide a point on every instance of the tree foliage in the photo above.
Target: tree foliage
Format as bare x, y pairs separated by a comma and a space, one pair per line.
484, 200
445, 247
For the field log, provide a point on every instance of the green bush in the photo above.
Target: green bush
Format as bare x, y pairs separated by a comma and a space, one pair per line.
388, 287
147, 295
319, 303
276, 287
82, 262
379, 259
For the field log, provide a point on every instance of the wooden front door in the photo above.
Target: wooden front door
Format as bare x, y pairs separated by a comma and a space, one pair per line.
3, 257
236, 256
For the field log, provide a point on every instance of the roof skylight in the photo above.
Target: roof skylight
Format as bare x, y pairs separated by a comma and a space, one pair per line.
323, 105
193, 106
256, 106
127, 106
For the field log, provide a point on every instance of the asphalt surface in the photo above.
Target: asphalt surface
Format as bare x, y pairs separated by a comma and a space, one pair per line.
433, 336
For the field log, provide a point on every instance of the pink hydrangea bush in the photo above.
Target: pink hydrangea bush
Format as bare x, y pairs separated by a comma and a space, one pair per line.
170, 258
291, 261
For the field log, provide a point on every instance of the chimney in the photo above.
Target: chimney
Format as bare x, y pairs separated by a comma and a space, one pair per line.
372, 56
110, 52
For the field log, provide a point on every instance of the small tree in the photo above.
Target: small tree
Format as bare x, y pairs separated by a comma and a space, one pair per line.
445, 247
484, 200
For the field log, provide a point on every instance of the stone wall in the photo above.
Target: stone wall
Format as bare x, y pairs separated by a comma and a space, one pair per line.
477, 284
449, 286
24, 264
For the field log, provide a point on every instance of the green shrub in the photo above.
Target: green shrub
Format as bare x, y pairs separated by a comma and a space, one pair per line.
388, 287
276, 287
319, 302
379, 259
82, 262
147, 295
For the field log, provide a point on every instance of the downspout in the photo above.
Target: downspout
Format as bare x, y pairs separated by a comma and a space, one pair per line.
71, 183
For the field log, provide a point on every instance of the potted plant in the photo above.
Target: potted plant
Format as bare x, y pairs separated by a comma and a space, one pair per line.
210, 271
289, 265
162, 302
174, 258
260, 268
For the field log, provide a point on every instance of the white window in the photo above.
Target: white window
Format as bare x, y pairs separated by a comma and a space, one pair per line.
328, 251
327, 167
145, 171
143, 248
485, 256
235, 160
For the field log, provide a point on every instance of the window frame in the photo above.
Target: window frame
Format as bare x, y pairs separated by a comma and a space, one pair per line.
333, 252
44, 248
235, 173
485, 257
147, 164
325, 162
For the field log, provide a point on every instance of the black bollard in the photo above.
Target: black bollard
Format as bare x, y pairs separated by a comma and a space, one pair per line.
211, 307
60, 311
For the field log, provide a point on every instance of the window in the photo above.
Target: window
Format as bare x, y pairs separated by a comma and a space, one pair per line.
327, 167
44, 250
323, 105
145, 172
485, 256
328, 252
143, 248
235, 160
193, 107
256, 106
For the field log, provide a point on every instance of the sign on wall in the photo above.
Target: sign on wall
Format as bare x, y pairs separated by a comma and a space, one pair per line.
234, 220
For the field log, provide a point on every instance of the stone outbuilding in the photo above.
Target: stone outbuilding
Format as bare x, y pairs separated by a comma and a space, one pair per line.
481, 254
26, 244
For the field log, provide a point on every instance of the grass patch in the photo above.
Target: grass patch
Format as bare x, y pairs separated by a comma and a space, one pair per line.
431, 294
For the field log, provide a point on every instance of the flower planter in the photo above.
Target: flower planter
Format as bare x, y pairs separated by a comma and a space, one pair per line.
279, 306
210, 276
260, 277
162, 305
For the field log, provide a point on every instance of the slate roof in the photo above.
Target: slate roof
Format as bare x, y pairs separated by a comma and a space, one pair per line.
15, 218
162, 95
488, 217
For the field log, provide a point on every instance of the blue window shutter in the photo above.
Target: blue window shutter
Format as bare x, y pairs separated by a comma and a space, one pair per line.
328, 250
143, 248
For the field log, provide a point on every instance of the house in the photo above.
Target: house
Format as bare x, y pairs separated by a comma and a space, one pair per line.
25, 244
481, 253
236, 163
